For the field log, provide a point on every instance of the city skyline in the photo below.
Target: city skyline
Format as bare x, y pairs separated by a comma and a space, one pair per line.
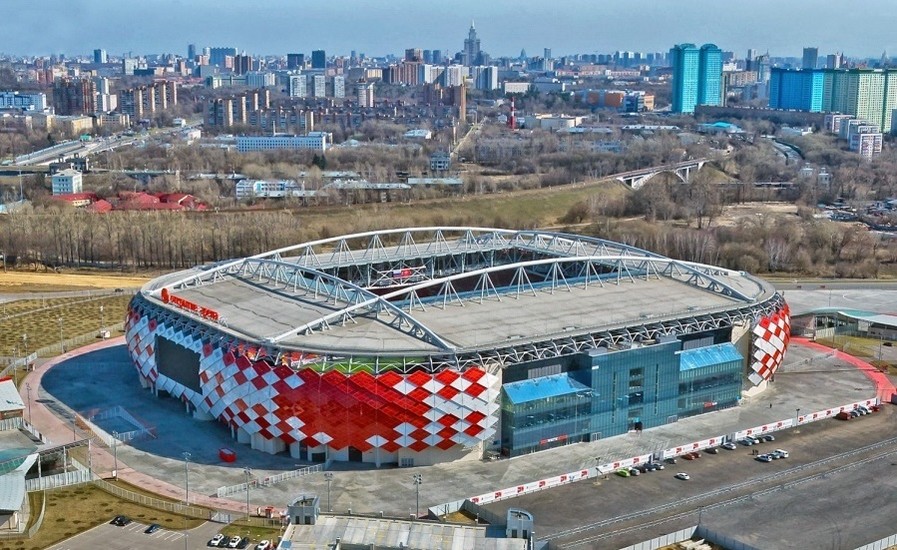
504, 27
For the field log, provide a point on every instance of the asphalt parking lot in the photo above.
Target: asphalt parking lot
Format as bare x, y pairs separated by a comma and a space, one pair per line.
624, 510
132, 537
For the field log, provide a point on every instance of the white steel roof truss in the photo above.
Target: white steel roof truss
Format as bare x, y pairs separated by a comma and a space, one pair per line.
521, 283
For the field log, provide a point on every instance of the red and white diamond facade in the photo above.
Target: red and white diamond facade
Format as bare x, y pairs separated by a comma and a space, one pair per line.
771, 336
389, 346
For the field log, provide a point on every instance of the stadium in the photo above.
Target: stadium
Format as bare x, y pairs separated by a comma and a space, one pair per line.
425, 345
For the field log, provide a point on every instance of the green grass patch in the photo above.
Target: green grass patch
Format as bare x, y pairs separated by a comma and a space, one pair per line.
76, 509
39, 321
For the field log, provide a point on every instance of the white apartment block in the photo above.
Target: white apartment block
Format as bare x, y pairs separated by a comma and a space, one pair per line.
313, 141
24, 101
66, 182
298, 86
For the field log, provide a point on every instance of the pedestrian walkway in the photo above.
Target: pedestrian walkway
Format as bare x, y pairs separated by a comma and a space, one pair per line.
58, 430
884, 387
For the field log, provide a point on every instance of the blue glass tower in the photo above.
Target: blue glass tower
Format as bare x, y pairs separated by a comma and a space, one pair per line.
710, 75
697, 76
685, 59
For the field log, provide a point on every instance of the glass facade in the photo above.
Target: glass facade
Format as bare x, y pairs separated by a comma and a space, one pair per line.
604, 393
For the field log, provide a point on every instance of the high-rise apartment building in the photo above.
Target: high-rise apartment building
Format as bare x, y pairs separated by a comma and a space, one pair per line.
811, 58
295, 61
99, 56
318, 59
697, 76
710, 75
364, 92
298, 86
749, 60
867, 94
414, 54
74, 96
218, 56
833, 61
242, 64
798, 90
191, 52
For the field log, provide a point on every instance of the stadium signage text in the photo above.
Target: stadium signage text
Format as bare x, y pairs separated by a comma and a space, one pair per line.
204, 312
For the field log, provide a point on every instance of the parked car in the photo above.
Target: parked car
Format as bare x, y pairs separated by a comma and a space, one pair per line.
152, 528
875, 408
712, 451
658, 466
843, 415
688, 456
634, 472
234, 542
764, 458
747, 442
782, 453
121, 521
671, 460
623, 472
729, 446
769, 437
216, 540
244, 542
264, 545
682, 475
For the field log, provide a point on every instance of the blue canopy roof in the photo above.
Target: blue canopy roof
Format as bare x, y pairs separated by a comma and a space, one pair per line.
542, 388
707, 356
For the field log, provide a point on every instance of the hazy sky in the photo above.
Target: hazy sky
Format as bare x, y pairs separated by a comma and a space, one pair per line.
376, 27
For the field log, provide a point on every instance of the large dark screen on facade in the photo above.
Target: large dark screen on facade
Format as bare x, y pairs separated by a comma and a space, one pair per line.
178, 363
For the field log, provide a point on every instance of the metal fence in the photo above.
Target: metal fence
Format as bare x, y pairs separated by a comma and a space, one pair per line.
268, 481
664, 540
73, 477
159, 504
881, 544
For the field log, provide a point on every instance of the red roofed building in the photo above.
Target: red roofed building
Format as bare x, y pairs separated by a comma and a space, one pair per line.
77, 200
101, 207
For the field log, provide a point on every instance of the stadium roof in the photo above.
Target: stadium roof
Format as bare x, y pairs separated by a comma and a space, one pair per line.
455, 291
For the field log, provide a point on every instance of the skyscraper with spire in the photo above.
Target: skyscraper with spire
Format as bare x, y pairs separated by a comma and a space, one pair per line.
471, 53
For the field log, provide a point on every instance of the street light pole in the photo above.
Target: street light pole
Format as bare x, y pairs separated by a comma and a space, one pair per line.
28, 389
61, 340
248, 472
102, 322
115, 454
418, 479
187, 456
329, 477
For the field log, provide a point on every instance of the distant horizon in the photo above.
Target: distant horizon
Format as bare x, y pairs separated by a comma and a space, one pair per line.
504, 27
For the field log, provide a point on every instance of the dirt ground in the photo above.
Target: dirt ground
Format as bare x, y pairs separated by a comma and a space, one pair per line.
24, 281
732, 214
